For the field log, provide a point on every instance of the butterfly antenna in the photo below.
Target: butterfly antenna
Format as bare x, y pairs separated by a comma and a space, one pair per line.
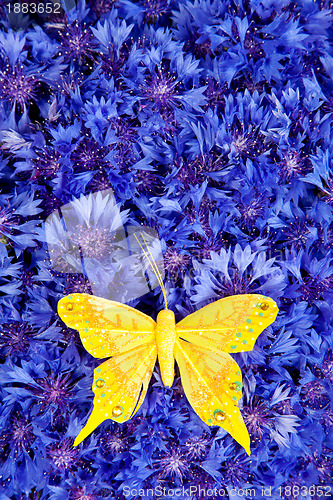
153, 265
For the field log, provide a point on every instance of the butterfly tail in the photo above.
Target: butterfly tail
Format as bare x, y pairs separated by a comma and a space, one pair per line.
93, 421
212, 383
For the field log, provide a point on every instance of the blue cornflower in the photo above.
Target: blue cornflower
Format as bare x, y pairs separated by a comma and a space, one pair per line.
14, 225
235, 470
12, 45
238, 271
148, 11
77, 43
197, 447
18, 88
19, 465
90, 223
64, 136
313, 284
16, 337
99, 113
63, 456
322, 175
112, 33
173, 465
43, 48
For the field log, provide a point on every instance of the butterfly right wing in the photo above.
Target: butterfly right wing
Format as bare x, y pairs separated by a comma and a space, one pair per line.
211, 378
213, 385
120, 385
231, 324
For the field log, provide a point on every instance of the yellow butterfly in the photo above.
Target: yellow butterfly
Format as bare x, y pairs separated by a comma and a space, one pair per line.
200, 344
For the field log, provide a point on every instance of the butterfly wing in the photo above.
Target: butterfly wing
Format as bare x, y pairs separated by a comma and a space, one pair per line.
232, 324
211, 378
120, 385
106, 328
109, 328
212, 383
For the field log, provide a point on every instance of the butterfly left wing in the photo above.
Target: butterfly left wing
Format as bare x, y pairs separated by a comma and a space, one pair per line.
110, 328
106, 328
120, 385
232, 324
212, 383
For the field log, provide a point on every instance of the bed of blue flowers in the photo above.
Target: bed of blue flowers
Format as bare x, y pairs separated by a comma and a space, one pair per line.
211, 122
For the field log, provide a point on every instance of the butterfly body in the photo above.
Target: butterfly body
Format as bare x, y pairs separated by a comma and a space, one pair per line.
200, 344
165, 334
